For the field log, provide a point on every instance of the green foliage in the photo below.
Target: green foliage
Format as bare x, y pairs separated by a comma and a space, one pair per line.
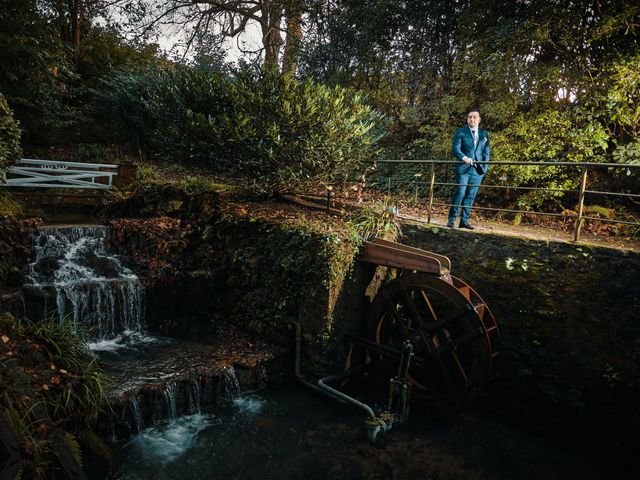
34, 69
53, 382
148, 174
275, 132
289, 134
91, 153
16, 247
194, 185
10, 150
424, 63
8, 206
551, 136
305, 262
378, 220
167, 110
48, 78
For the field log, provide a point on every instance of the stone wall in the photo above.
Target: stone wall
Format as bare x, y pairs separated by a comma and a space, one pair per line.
568, 315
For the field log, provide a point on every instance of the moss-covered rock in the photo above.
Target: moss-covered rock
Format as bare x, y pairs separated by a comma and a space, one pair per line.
278, 273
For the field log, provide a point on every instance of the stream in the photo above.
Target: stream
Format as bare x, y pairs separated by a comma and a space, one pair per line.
288, 432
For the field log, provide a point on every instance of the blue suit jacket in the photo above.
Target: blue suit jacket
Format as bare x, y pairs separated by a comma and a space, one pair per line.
462, 146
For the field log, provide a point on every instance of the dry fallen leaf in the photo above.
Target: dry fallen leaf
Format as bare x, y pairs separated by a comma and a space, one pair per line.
63, 371
55, 380
5, 339
53, 367
45, 386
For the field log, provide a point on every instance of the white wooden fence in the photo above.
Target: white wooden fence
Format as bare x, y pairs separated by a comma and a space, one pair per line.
53, 174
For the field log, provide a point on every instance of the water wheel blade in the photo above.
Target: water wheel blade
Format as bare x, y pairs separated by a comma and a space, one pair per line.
480, 309
465, 291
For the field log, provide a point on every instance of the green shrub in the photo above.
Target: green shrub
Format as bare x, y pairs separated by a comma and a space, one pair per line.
288, 134
92, 153
159, 109
8, 206
273, 131
10, 150
551, 136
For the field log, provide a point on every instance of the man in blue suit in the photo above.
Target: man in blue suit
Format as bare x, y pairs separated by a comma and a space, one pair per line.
470, 144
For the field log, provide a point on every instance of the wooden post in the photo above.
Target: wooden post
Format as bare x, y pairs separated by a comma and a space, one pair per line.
389, 187
432, 182
583, 186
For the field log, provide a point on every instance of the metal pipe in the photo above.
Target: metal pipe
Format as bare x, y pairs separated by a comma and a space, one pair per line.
338, 394
317, 389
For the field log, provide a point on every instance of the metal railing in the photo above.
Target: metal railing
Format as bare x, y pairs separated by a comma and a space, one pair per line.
34, 173
580, 217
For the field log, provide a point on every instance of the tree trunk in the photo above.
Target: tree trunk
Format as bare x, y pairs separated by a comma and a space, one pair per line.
271, 38
294, 37
77, 20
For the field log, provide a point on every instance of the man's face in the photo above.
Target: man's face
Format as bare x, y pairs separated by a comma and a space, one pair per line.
473, 119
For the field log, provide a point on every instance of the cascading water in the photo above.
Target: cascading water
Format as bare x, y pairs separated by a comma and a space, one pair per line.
166, 439
137, 413
170, 393
89, 286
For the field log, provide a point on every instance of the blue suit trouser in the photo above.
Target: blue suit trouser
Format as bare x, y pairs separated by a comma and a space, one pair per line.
465, 194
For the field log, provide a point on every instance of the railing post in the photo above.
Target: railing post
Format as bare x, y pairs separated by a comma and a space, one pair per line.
415, 197
583, 186
432, 181
389, 186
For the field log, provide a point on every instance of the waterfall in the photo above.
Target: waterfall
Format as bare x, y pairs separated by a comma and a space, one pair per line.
195, 396
90, 287
137, 413
230, 384
170, 395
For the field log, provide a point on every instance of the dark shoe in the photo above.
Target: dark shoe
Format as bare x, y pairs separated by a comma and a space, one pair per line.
466, 225
450, 224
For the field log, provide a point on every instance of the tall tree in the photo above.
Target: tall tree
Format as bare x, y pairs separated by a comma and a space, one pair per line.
230, 18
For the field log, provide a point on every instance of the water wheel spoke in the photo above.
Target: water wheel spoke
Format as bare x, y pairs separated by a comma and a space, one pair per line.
456, 359
392, 308
425, 297
410, 305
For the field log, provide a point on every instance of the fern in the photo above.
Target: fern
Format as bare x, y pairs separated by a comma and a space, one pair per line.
93, 442
73, 446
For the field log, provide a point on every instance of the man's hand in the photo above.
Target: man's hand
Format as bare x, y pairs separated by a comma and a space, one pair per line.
467, 160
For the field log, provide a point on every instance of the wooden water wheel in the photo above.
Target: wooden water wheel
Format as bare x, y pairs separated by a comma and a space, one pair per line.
451, 328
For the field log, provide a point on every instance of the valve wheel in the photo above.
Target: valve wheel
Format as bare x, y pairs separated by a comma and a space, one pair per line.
452, 331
